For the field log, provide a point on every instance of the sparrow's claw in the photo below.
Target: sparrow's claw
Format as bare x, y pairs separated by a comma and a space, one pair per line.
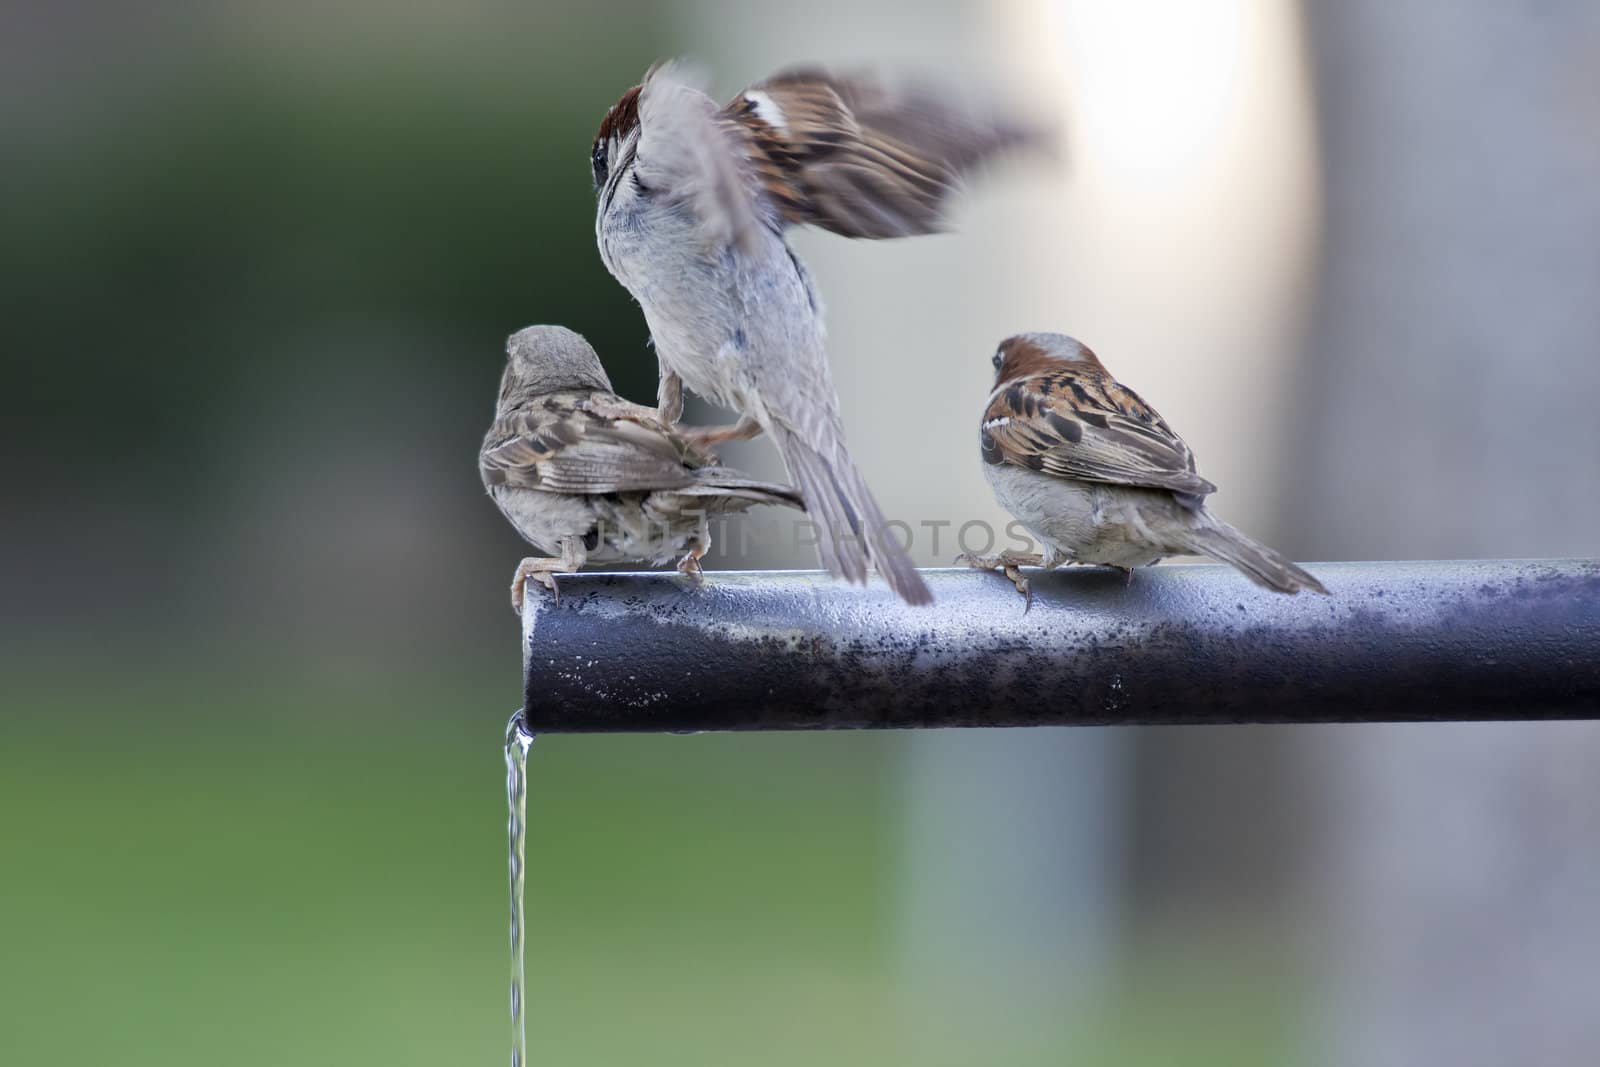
1022, 586
689, 565
706, 436
1007, 563
541, 570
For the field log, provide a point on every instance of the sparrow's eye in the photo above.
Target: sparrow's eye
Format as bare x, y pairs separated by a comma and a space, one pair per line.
998, 359
598, 162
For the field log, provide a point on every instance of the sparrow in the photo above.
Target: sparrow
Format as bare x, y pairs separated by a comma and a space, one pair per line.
588, 477
1096, 476
694, 204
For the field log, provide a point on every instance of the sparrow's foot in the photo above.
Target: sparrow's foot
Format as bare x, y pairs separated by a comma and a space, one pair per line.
669, 397
541, 570
689, 565
706, 436
1007, 563
1003, 560
1022, 586
619, 409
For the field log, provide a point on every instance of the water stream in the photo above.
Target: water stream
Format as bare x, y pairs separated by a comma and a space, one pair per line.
517, 741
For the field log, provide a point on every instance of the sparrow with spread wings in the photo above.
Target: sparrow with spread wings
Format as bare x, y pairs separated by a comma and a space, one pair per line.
585, 476
1096, 476
694, 204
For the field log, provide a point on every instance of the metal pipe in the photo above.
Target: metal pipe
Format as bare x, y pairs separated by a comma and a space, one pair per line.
785, 650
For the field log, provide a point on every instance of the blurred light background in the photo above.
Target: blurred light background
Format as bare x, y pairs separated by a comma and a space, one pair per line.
260, 260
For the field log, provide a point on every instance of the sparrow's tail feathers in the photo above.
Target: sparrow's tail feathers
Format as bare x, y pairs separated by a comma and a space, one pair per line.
725, 483
1212, 537
851, 530
842, 552
886, 552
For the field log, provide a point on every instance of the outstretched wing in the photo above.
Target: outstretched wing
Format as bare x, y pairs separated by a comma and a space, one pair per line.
556, 444
861, 159
1076, 421
687, 151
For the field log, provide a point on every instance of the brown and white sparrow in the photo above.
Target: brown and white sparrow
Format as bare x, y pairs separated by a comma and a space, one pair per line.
694, 203
1096, 476
588, 477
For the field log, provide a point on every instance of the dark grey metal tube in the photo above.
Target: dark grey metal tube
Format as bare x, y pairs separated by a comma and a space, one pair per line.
782, 650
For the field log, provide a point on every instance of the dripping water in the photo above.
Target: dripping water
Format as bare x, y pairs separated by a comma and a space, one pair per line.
517, 741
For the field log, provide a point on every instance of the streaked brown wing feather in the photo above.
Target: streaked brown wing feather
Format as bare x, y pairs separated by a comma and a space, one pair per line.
554, 445
1077, 422
860, 159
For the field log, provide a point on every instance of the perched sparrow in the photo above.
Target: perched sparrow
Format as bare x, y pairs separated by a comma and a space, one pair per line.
694, 201
586, 476
1096, 476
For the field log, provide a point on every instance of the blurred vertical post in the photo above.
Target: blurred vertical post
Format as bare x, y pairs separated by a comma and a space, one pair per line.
1181, 246
1450, 412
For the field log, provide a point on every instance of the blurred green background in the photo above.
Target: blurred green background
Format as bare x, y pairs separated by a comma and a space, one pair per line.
255, 656
312, 871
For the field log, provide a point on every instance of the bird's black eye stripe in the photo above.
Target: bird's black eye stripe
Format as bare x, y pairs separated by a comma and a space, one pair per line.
598, 161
